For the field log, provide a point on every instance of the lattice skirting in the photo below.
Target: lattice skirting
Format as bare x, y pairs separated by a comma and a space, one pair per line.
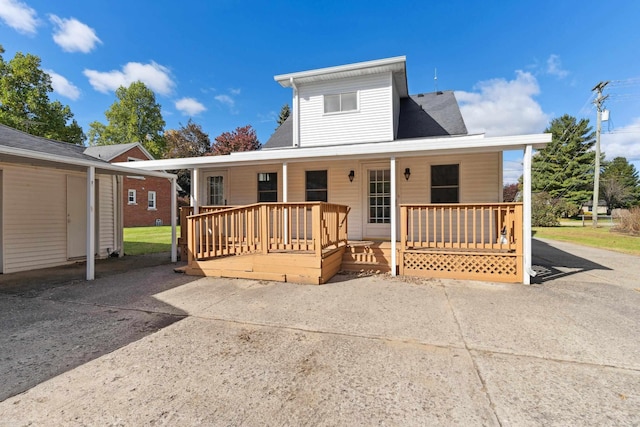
497, 267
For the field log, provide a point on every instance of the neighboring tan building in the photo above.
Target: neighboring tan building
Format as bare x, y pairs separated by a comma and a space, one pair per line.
59, 205
147, 200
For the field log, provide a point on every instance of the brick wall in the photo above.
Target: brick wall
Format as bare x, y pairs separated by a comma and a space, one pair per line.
138, 214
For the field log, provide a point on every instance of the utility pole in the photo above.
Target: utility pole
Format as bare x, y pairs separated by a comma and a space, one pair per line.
596, 178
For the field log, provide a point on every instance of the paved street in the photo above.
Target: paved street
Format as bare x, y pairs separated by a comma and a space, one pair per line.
357, 351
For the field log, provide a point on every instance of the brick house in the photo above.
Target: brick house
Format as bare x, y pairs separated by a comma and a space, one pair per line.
146, 200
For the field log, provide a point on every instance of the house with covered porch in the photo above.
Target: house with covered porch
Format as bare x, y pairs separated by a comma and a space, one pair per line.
361, 176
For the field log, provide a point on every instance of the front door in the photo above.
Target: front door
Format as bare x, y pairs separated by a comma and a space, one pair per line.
377, 215
217, 188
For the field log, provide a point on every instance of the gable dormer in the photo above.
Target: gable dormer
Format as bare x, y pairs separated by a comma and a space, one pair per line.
348, 104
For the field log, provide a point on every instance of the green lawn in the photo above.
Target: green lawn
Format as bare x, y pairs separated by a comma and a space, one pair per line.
601, 237
147, 240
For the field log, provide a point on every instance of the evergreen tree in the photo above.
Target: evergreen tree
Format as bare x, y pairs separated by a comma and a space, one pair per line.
564, 168
619, 184
134, 117
25, 103
285, 112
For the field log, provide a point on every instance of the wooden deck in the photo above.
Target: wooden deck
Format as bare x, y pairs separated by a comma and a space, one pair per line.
307, 242
292, 242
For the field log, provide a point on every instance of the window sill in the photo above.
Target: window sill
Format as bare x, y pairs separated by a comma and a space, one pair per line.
132, 204
152, 209
337, 113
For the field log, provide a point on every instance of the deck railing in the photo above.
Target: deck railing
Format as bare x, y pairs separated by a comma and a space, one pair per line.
490, 227
462, 241
264, 228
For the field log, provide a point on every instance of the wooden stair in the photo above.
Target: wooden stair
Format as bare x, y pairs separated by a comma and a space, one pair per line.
363, 256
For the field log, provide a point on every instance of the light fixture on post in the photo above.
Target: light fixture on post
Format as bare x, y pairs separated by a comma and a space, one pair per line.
351, 175
407, 173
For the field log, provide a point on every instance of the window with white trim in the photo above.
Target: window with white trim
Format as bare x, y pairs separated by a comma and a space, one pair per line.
151, 198
341, 102
131, 198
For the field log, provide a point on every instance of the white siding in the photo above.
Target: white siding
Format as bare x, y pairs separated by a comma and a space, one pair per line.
35, 217
372, 122
396, 111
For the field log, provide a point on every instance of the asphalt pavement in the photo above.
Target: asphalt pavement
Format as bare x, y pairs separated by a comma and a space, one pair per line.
357, 351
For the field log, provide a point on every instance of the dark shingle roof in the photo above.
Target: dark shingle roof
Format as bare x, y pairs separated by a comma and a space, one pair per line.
430, 114
421, 116
108, 152
282, 137
14, 138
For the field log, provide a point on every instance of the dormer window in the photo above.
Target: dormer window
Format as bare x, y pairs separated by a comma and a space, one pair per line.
341, 102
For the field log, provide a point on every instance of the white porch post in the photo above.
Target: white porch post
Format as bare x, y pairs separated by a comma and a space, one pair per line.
393, 217
285, 199
526, 212
195, 190
91, 222
174, 213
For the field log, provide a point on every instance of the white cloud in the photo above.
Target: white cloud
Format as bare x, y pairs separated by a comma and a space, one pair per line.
73, 36
190, 106
511, 171
500, 107
225, 99
63, 86
623, 142
19, 16
234, 91
155, 76
554, 67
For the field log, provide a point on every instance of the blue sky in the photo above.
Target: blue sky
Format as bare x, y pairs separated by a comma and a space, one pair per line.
514, 65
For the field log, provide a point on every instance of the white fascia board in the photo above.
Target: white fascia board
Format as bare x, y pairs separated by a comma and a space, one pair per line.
387, 64
62, 161
397, 148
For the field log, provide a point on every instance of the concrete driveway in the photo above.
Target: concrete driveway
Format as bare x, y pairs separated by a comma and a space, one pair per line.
372, 350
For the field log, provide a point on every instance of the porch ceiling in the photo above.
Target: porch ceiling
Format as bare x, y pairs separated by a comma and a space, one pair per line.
400, 148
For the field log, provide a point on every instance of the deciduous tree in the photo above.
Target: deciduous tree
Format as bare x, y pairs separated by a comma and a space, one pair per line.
510, 192
187, 141
25, 103
241, 139
134, 117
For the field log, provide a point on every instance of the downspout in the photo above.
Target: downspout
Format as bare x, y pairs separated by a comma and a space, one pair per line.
394, 243
296, 114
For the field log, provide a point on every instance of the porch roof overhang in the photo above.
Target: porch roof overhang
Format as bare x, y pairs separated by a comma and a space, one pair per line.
398, 149
34, 158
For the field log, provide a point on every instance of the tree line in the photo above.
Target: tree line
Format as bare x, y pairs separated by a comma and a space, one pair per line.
135, 116
563, 175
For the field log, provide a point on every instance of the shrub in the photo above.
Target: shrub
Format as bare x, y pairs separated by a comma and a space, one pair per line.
545, 210
629, 221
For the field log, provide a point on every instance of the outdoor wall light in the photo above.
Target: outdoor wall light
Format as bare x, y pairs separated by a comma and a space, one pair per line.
351, 175
407, 173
